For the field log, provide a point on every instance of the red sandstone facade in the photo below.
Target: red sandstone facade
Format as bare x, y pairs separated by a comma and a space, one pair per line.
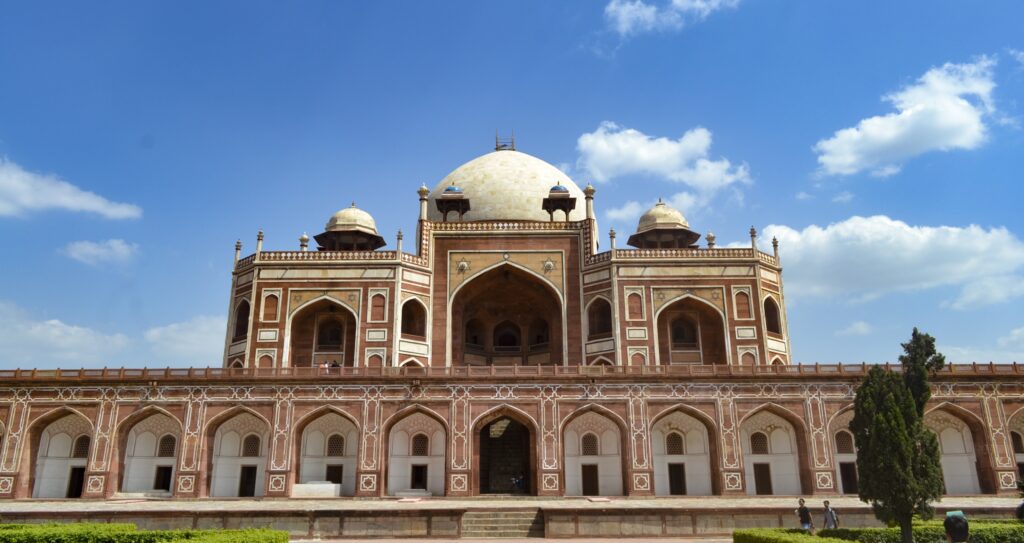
510, 326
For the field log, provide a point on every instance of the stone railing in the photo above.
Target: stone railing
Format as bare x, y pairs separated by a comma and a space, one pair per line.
330, 256
506, 226
798, 371
700, 254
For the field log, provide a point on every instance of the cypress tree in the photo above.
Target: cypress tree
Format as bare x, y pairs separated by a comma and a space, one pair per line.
897, 456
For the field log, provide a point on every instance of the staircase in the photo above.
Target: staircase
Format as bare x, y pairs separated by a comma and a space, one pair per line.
507, 523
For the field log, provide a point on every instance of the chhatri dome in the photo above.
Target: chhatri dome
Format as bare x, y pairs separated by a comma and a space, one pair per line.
350, 229
663, 227
506, 185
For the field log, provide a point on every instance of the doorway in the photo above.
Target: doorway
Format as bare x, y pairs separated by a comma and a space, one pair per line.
334, 474
848, 476
247, 482
76, 482
418, 477
505, 458
677, 479
162, 479
763, 479
591, 487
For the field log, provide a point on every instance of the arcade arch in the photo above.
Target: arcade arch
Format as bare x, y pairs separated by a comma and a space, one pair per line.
844, 452
150, 454
1017, 441
416, 452
414, 319
506, 316
682, 461
327, 452
239, 456
957, 444
593, 456
505, 447
60, 463
770, 454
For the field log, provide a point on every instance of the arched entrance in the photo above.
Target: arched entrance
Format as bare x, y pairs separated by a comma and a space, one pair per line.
691, 331
506, 317
323, 335
59, 467
506, 456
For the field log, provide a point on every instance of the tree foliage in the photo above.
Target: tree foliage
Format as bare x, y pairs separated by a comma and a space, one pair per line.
897, 456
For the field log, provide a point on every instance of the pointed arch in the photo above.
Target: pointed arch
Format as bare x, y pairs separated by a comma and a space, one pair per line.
392, 475
521, 417
981, 439
727, 354
772, 311
299, 312
803, 451
209, 434
122, 431
599, 318
714, 443
35, 430
240, 321
415, 317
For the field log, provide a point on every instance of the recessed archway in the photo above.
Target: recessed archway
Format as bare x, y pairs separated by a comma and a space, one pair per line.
322, 334
774, 448
691, 331
593, 454
683, 448
149, 443
506, 316
964, 450
327, 448
505, 453
237, 460
416, 454
64, 441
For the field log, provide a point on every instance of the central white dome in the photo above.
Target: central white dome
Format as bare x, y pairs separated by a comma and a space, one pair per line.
507, 185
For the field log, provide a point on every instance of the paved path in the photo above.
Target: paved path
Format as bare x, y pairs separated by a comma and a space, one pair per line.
362, 504
527, 540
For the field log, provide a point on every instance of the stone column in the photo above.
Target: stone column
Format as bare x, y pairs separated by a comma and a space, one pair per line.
11, 483
1002, 449
460, 471
730, 460
187, 478
821, 461
550, 480
279, 473
640, 481
369, 472
97, 483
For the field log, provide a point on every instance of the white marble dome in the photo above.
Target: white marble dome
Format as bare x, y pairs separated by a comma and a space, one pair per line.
352, 218
661, 216
507, 186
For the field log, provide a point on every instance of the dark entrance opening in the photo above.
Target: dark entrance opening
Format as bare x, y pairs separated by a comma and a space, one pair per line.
590, 480
763, 479
677, 479
505, 458
418, 477
162, 480
247, 482
848, 475
334, 473
76, 482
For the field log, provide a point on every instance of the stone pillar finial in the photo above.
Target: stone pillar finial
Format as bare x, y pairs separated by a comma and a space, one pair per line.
753, 238
611, 235
304, 242
711, 240
423, 192
588, 193
775, 246
398, 246
238, 250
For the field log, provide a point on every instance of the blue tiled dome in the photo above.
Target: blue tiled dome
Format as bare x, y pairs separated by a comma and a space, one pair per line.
559, 188
452, 189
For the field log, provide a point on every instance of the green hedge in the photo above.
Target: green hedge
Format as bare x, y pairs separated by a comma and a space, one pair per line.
926, 532
127, 533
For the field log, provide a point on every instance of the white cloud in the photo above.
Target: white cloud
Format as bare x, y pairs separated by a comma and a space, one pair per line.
26, 342
944, 109
113, 251
22, 192
843, 197
198, 342
856, 328
1018, 55
628, 17
804, 196
964, 355
1014, 339
867, 257
613, 151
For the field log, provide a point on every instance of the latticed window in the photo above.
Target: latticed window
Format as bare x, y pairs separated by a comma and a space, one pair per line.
251, 446
166, 446
758, 443
335, 445
844, 442
1018, 442
420, 445
588, 445
81, 448
674, 444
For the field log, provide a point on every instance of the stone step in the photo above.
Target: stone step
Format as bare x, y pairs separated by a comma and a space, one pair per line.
502, 524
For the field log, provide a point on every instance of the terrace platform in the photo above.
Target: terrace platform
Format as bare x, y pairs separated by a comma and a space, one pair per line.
450, 518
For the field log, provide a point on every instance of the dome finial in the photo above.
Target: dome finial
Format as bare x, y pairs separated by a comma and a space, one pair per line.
353, 203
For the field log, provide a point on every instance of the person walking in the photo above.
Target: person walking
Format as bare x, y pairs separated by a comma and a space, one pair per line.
804, 514
831, 518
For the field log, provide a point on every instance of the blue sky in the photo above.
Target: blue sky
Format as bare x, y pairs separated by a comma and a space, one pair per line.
881, 142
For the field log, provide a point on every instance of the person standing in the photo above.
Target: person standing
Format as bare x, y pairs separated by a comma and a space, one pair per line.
831, 518
957, 529
804, 514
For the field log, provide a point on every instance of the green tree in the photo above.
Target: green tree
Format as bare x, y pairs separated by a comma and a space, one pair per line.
920, 360
897, 457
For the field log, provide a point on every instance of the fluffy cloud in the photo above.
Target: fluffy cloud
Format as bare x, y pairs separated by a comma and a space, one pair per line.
26, 342
23, 192
93, 253
965, 355
1017, 55
198, 342
856, 328
843, 197
944, 109
866, 257
1014, 339
628, 17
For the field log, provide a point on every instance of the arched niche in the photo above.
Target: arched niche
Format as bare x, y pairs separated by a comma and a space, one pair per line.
323, 334
844, 452
505, 450
771, 454
416, 453
58, 470
682, 455
328, 445
691, 331
150, 454
506, 303
958, 447
592, 444
414, 319
239, 456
